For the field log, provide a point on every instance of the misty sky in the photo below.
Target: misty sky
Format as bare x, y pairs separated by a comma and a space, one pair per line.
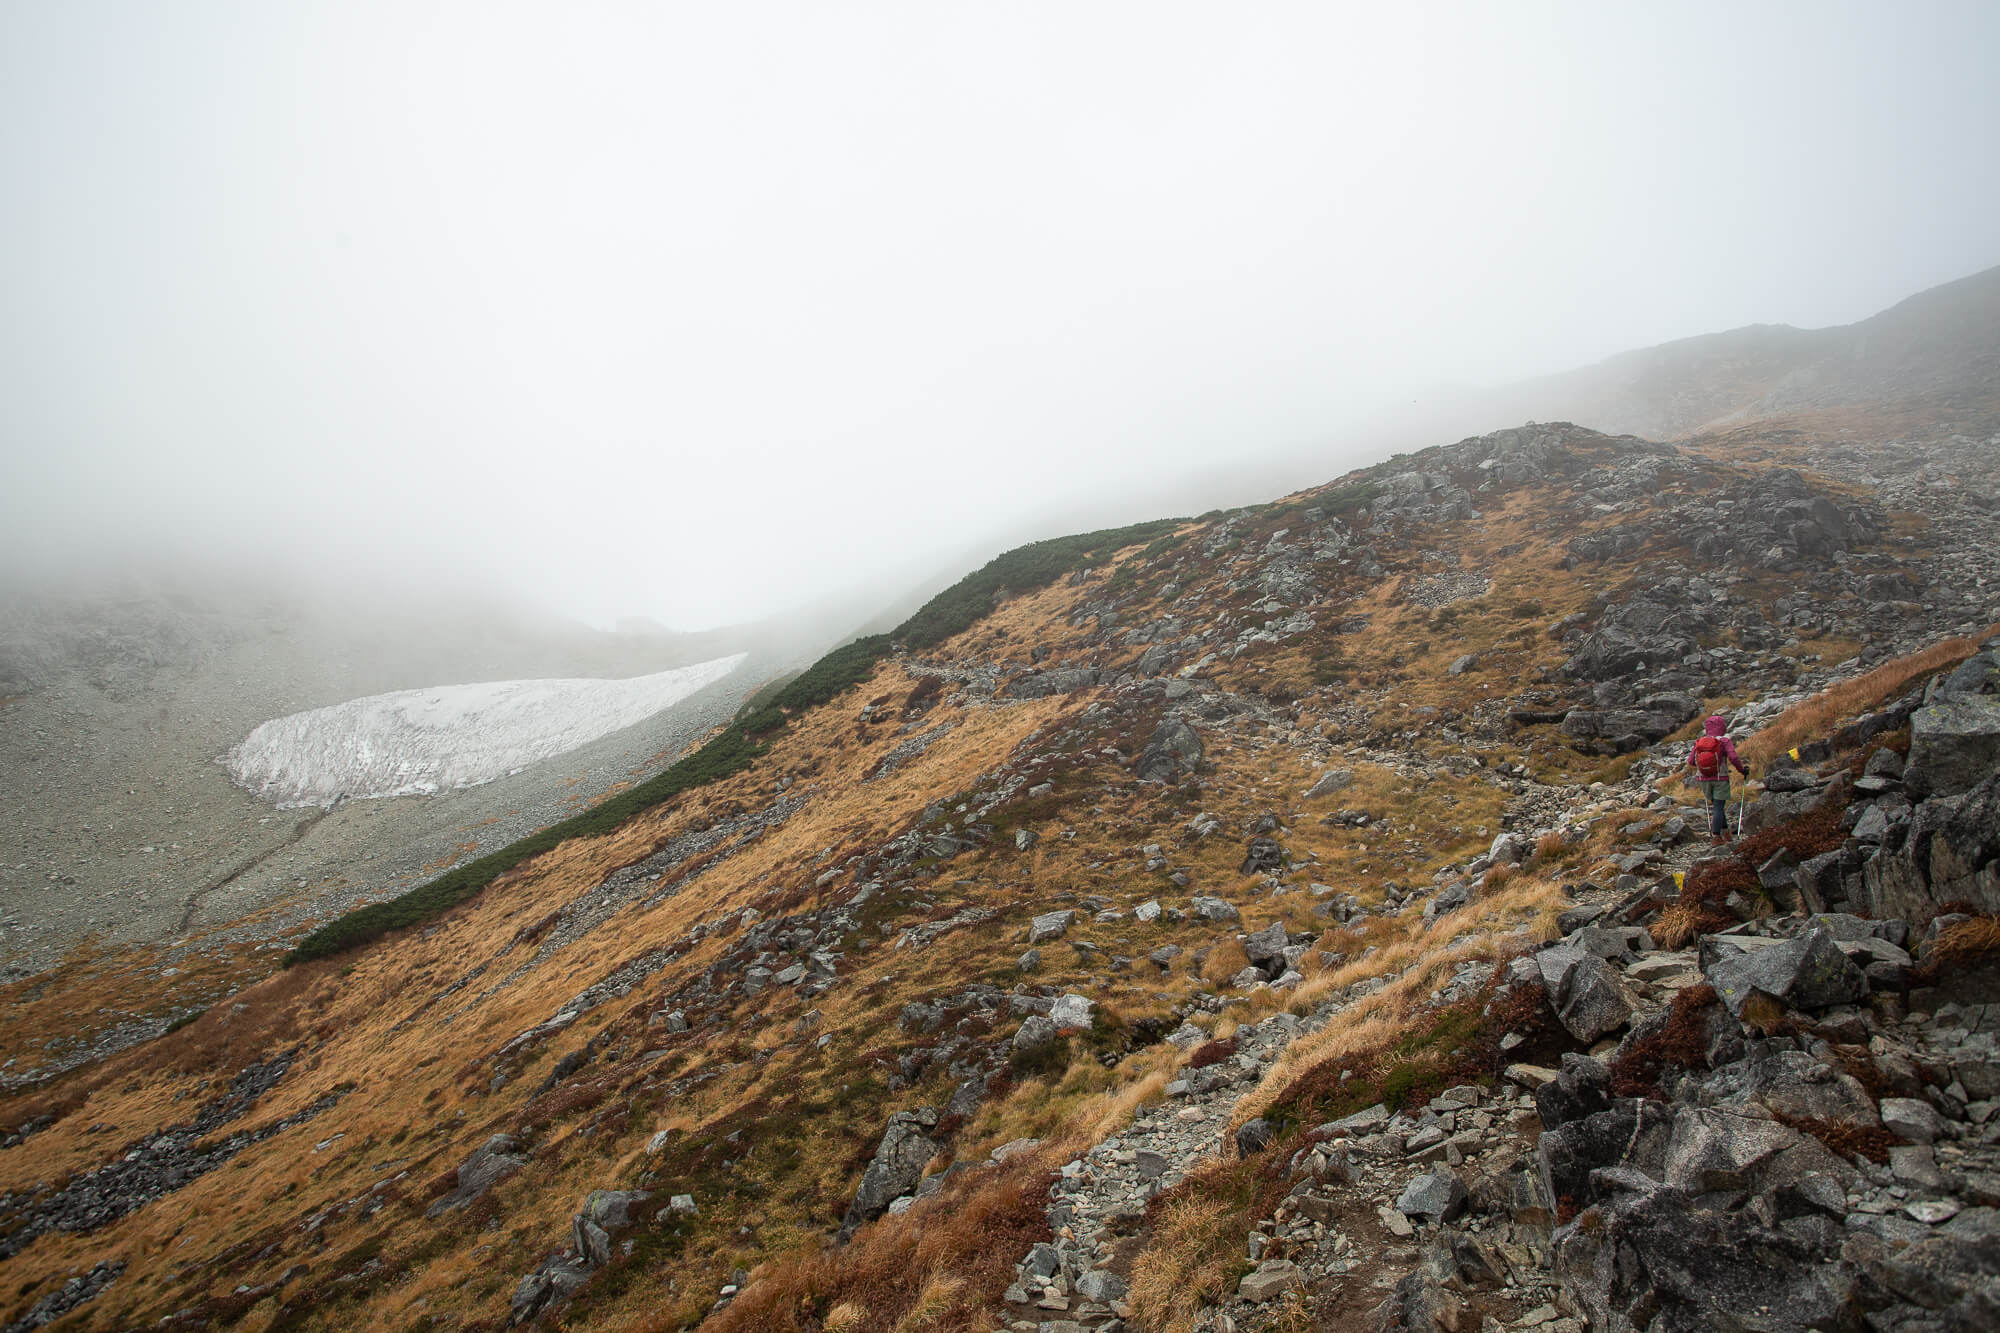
701, 310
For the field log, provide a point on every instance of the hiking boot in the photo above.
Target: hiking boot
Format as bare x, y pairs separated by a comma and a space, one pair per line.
1718, 839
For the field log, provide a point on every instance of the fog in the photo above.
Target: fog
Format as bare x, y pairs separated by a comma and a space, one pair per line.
708, 313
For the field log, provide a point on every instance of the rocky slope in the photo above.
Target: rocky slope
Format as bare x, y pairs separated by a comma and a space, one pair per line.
1288, 921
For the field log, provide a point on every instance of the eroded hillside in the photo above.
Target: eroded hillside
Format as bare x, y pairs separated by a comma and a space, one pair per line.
1093, 929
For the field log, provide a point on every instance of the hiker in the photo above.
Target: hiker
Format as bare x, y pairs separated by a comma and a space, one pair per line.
1711, 759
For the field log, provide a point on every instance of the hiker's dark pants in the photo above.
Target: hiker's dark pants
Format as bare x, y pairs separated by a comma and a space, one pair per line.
1718, 805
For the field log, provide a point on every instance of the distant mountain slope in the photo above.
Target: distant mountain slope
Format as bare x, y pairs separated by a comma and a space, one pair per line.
1939, 350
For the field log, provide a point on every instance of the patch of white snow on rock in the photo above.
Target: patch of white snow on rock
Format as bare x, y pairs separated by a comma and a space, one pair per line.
421, 742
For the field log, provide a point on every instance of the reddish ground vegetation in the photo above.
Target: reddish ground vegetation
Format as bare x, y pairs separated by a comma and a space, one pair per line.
1844, 1138
1807, 836
1211, 1053
1681, 1043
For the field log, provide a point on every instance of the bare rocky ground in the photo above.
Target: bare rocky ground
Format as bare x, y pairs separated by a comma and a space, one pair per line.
124, 828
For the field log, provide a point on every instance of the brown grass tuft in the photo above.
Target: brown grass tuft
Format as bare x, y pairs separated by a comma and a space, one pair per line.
941, 1265
1967, 941
1194, 1253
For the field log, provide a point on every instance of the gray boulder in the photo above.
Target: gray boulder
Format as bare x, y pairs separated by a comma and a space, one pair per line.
1214, 909
1073, 1011
1331, 781
899, 1162
1266, 948
1631, 1133
1652, 1259
1254, 1137
1034, 1033
1062, 680
1652, 718
1717, 1149
1173, 752
555, 1281
1049, 926
1583, 1088
1261, 855
1438, 1196
1592, 1000
498, 1158
1954, 745
1809, 972
605, 1213
1099, 1285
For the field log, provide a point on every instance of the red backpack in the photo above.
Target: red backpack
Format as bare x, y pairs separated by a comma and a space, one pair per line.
1708, 758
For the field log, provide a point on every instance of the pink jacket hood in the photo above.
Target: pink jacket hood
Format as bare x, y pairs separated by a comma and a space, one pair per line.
1716, 725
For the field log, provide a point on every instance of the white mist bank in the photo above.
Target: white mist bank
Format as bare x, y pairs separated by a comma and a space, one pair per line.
421, 742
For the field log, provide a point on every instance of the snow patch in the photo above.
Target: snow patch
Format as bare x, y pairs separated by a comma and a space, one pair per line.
421, 742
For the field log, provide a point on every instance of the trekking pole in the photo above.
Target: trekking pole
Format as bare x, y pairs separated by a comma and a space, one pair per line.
1741, 804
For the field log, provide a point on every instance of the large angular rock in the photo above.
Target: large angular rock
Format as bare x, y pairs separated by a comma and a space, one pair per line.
1594, 1002
1633, 1133
1809, 972
899, 1162
1034, 1033
1715, 1149
1954, 843
1615, 651
1331, 781
604, 1215
1266, 947
1073, 1011
1270, 1280
1954, 745
1100, 1285
1438, 1196
1173, 752
1792, 1083
555, 1281
1652, 1260
1062, 680
496, 1159
1049, 926
1913, 1121
1214, 909
1623, 729
1582, 1088
1420, 1303
1261, 855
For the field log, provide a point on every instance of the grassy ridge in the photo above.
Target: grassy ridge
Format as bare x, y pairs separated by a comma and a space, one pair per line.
957, 608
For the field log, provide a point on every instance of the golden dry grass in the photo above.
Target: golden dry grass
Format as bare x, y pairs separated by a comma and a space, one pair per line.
1822, 714
1426, 956
1192, 1258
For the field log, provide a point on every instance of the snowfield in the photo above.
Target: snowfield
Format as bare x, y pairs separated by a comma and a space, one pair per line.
421, 742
